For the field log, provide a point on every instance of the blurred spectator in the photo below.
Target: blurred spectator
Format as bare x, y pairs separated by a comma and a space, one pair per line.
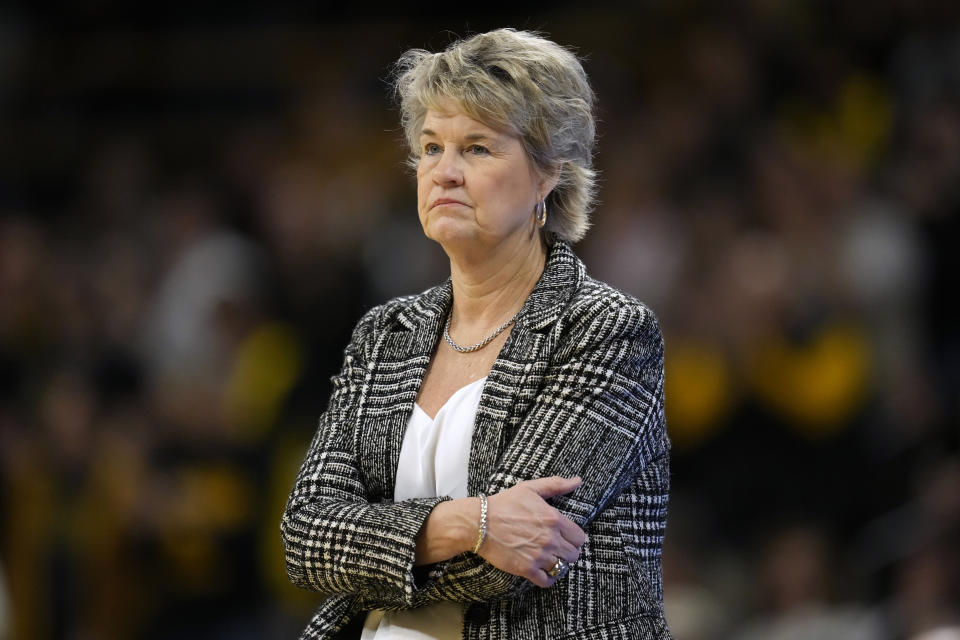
795, 582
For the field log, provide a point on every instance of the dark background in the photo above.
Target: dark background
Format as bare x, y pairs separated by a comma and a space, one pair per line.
197, 201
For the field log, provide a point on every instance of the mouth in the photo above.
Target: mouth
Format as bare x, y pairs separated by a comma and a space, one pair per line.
439, 202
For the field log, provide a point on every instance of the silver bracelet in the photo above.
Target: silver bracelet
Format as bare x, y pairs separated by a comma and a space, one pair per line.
482, 532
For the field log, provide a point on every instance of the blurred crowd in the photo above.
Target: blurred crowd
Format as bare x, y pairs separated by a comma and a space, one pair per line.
194, 211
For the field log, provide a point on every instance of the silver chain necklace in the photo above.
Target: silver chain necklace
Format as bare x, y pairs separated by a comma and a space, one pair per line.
482, 343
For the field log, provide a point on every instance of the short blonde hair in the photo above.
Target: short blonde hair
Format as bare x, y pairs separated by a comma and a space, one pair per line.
520, 82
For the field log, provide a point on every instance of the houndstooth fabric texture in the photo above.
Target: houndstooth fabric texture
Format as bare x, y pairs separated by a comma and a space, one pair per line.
576, 390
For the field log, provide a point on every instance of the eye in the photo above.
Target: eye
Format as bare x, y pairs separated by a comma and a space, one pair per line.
431, 148
478, 150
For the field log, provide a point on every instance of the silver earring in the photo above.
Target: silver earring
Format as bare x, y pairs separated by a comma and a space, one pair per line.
541, 212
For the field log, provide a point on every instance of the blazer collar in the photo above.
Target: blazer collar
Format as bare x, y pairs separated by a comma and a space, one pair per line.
562, 275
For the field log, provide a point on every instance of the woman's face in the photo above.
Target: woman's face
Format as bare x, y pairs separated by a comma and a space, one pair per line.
476, 187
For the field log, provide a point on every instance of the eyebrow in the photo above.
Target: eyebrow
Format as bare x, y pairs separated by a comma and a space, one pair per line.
470, 137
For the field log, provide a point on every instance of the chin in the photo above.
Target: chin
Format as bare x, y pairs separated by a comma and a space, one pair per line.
447, 231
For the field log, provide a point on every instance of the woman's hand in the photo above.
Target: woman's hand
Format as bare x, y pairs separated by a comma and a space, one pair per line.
525, 535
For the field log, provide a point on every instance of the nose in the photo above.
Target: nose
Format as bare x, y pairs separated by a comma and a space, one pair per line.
447, 171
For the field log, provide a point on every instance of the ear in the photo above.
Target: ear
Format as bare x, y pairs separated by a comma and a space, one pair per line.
548, 181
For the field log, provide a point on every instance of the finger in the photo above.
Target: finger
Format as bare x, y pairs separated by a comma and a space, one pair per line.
547, 572
567, 552
571, 532
547, 579
553, 486
540, 578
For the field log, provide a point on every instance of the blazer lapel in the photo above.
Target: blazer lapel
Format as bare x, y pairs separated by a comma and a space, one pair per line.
517, 374
399, 363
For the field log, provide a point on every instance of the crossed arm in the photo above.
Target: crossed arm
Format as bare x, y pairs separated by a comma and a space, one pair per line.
599, 416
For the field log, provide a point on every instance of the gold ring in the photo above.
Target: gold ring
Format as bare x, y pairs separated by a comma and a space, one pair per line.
558, 568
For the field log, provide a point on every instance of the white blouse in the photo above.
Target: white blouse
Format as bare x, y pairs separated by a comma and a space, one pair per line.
433, 462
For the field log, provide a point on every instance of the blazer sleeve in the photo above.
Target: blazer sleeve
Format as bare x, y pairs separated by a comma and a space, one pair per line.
599, 415
335, 540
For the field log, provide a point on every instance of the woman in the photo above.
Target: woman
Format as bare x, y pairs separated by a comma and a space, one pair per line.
493, 462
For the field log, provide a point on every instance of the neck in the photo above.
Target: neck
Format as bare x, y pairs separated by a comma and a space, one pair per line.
490, 289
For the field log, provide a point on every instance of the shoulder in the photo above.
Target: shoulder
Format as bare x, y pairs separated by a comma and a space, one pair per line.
611, 330
401, 309
598, 310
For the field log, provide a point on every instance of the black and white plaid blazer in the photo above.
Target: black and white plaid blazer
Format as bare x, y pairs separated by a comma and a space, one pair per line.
576, 390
